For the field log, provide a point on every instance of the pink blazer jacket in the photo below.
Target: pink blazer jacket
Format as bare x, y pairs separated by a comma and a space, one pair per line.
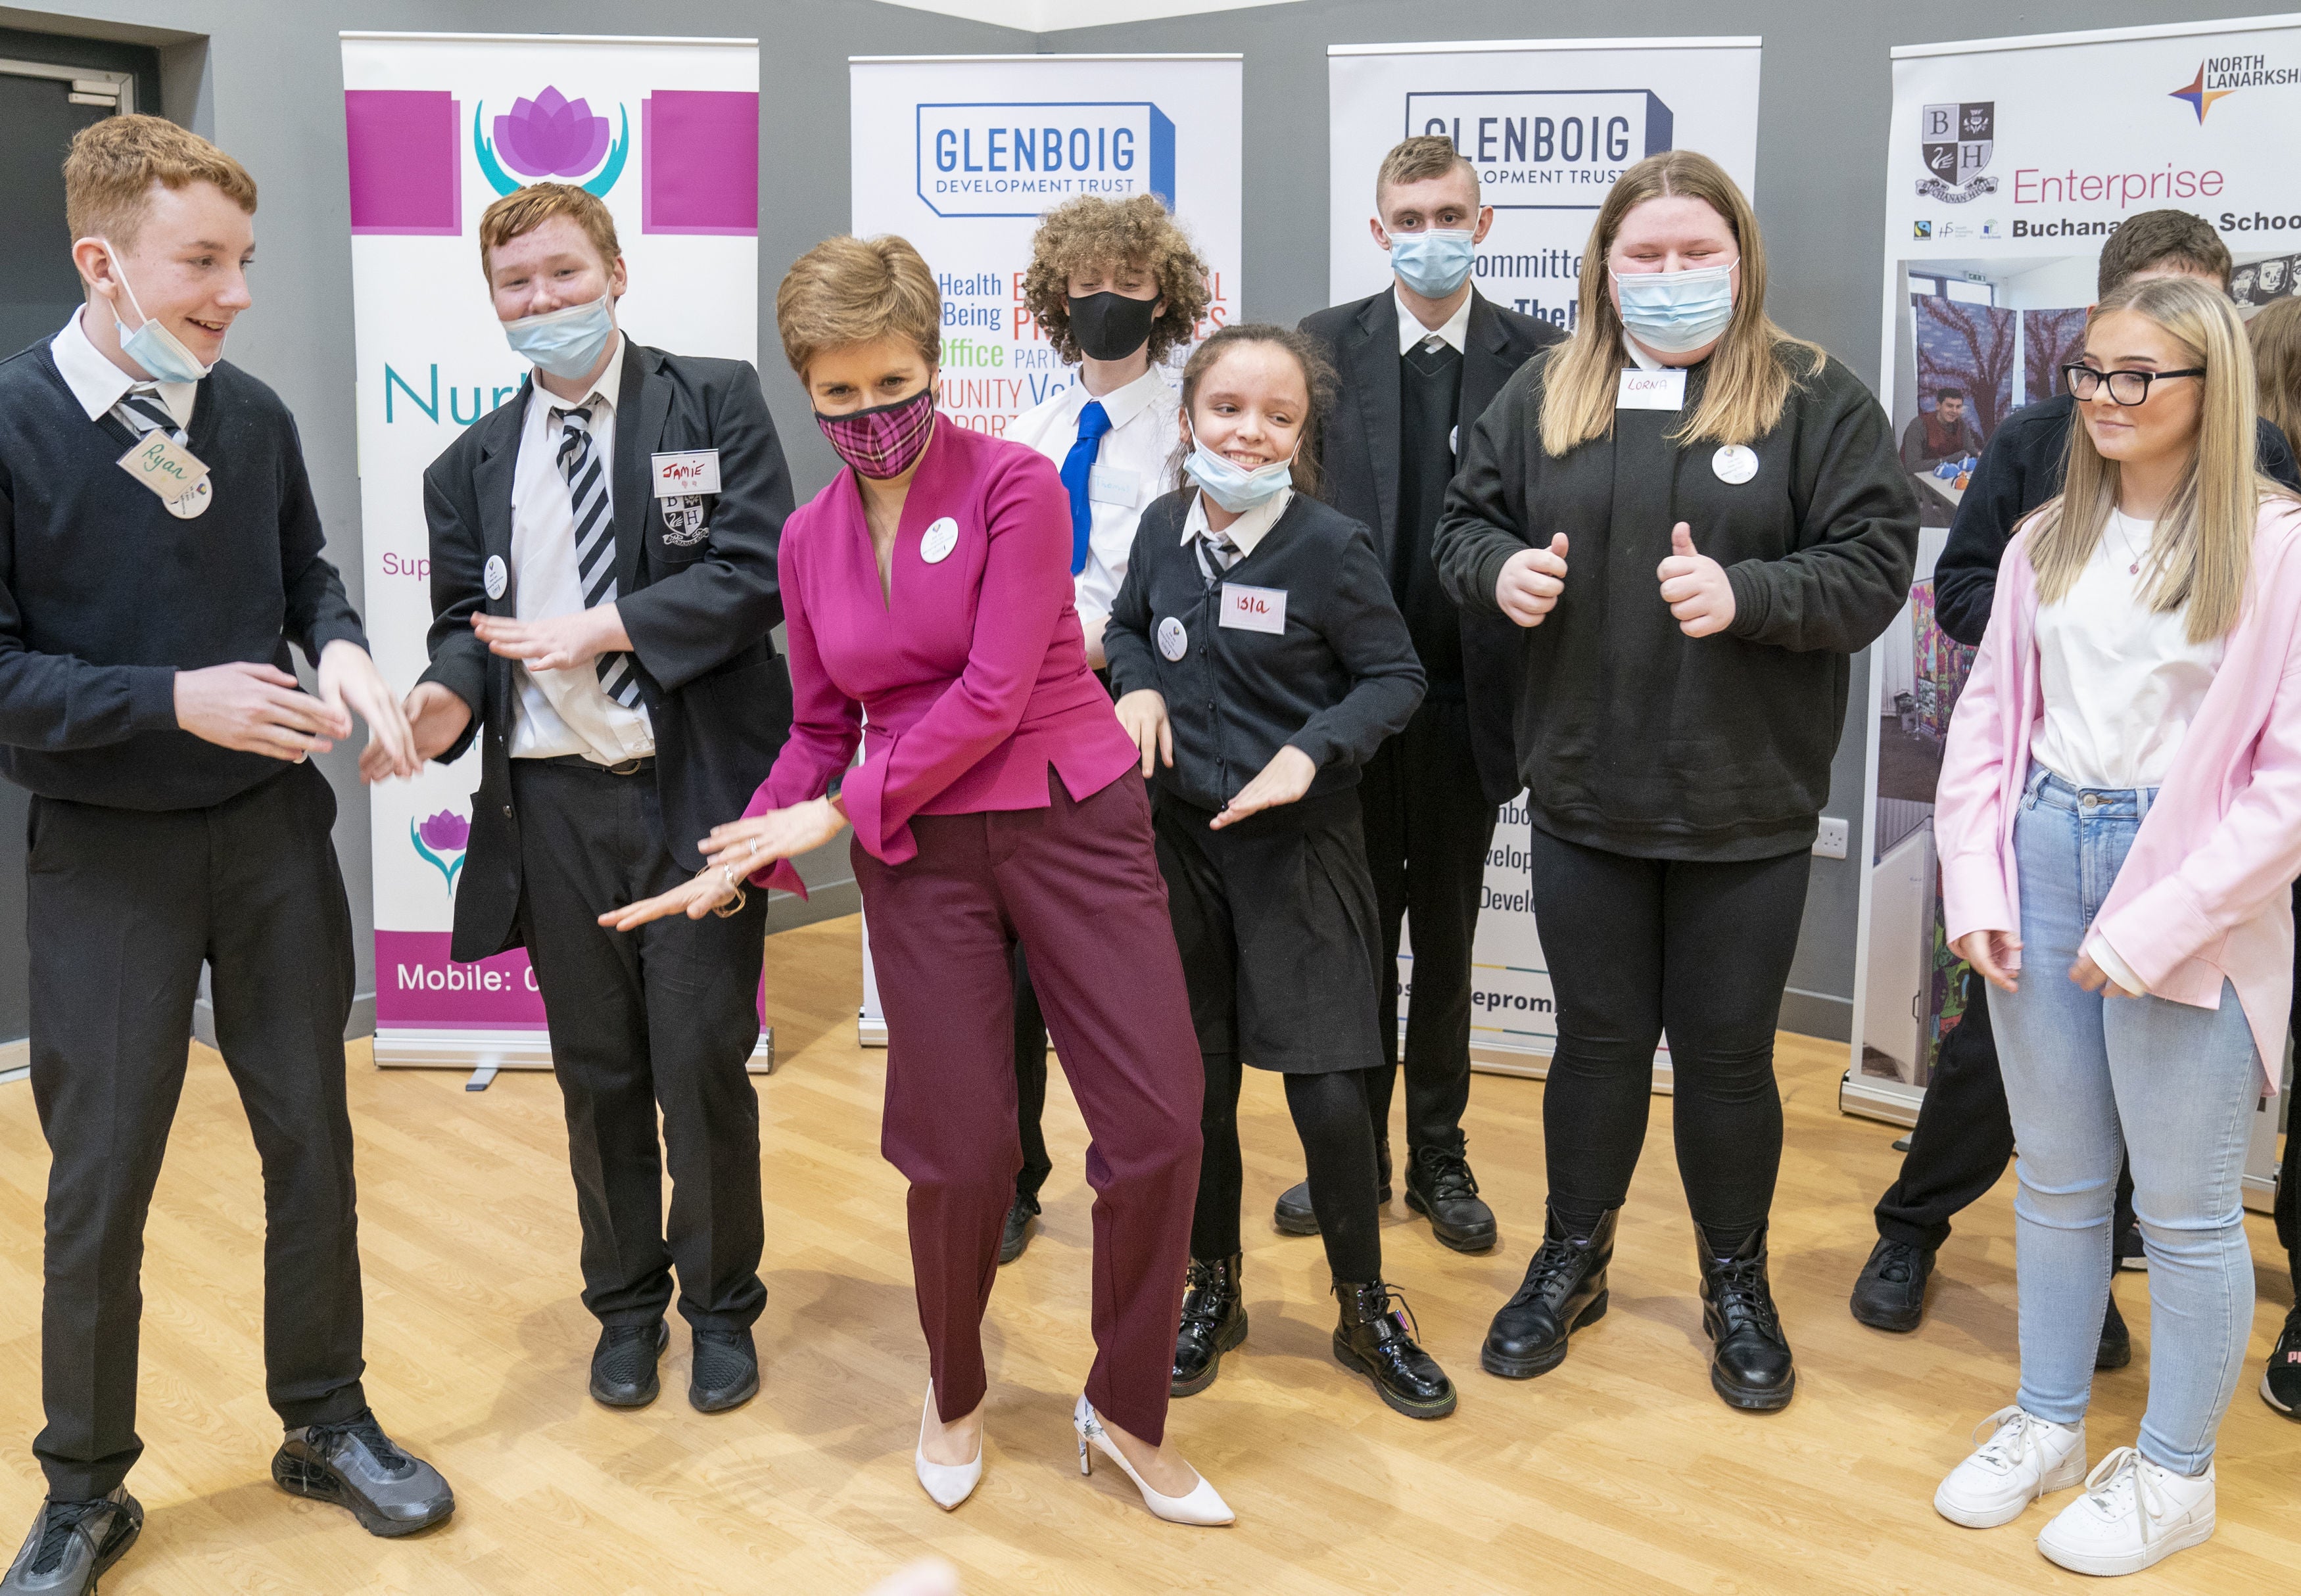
2204, 893
973, 674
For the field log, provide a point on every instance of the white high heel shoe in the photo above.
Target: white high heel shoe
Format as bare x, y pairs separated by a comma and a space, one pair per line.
949, 1484
1204, 1505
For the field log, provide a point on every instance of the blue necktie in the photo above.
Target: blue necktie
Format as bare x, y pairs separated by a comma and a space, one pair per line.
1093, 422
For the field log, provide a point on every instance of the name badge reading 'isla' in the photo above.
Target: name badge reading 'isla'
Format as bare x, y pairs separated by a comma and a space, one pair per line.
1253, 609
695, 471
1652, 390
179, 476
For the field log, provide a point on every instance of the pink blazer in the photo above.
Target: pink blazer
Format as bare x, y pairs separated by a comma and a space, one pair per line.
973, 674
2203, 894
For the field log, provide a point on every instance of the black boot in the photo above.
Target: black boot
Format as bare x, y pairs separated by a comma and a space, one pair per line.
1293, 1214
1750, 1358
1016, 1235
1439, 1184
2116, 1348
1214, 1321
1891, 1293
1380, 1344
1565, 1289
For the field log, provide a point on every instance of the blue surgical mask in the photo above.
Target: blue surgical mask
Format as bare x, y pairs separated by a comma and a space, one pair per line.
1230, 484
1673, 311
1433, 263
566, 343
152, 345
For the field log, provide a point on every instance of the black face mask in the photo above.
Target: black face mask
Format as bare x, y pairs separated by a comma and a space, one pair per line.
1109, 326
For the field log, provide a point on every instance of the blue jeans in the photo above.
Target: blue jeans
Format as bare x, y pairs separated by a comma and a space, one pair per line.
2091, 1079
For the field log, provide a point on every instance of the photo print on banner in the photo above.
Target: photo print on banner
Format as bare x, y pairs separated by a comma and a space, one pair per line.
666, 131
1998, 204
1549, 126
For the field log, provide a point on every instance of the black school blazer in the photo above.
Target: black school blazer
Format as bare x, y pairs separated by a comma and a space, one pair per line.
702, 615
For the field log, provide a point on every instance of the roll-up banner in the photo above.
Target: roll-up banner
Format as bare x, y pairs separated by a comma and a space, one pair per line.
1549, 124
2008, 162
666, 130
962, 155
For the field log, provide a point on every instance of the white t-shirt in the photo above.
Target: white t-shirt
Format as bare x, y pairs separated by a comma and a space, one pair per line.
1129, 470
2121, 683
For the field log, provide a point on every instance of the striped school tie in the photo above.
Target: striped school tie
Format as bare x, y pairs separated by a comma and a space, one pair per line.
1217, 554
595, 541
140, 410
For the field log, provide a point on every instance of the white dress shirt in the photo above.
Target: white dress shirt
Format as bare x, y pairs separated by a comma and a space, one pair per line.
563, 712
1247, 531
1412, 332
1130, 470
99, 384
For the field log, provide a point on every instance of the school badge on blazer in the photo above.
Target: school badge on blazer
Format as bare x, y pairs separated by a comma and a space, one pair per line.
683, 520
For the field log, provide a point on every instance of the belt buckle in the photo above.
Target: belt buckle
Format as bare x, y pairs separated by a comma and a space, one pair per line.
629, 767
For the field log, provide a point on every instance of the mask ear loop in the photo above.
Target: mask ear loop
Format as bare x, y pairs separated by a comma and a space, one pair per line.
134, 304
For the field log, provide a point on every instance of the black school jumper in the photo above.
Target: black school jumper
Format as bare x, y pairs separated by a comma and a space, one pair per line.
152, 853
1275, 914
1675, 783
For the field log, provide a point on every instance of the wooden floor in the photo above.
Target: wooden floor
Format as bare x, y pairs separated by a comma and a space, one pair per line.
1618, 1472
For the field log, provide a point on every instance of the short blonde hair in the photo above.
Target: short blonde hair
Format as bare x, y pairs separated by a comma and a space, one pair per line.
113, 164
848, 290
1093, 231
523, 210
1420, 158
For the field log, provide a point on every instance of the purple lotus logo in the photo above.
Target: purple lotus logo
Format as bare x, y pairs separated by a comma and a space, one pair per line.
551, 135
444, 834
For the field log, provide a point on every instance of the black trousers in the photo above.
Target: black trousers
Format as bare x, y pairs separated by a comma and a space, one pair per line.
661, 1017
124, 906
1030, 1086
1428, 828
1330, 1114
1637, 945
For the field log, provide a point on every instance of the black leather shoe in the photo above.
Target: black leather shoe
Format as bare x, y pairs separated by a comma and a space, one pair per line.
1565, 1289
2116, 1348
1440, 1185
1750, 1358
725, 1373
1891, 1293
2280, 1382
73, 1544
1293, 1214
622, 1365
356, 1466
1381, 1345
1214, 1321
1017, 1234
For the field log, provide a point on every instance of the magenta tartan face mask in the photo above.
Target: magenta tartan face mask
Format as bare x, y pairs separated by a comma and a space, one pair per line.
884, 441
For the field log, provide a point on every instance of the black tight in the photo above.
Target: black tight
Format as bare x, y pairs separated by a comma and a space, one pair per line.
1330, 1115
1638, 944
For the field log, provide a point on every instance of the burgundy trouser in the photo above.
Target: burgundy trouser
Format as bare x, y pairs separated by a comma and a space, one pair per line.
1078, 885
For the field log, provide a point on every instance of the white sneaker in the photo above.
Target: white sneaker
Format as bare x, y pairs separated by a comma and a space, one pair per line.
2134, 1513
2024, 1458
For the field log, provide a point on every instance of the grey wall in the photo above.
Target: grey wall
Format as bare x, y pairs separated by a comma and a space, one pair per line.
263, 78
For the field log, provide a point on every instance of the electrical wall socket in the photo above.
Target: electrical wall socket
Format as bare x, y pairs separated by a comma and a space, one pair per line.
1830, 843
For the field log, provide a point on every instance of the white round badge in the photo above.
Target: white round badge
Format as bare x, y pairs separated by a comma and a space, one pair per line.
941, 539
1733, 463
497, 576
1173, 640
186, 506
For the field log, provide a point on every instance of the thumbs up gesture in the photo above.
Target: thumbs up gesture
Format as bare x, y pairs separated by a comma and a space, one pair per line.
1694, 587
1531, 581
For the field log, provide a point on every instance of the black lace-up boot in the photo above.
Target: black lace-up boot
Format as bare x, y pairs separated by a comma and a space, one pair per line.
1750, 1358
73, 1544
1214, 1321
1565, 1289
1293, 1214
1439, 1184
1380, 1343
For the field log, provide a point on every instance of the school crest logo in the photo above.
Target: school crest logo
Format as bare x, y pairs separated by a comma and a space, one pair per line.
683, 520
1956, 141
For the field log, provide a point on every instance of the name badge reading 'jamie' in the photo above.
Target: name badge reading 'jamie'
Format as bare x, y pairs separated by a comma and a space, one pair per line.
1652, 390
695, 471
1253, 609
179, 476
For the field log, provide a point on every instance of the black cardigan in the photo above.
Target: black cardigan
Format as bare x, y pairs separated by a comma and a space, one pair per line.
1339, 680
1632, 736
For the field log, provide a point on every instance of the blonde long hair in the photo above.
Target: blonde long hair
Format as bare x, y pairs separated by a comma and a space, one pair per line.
2201, 555
1749, 374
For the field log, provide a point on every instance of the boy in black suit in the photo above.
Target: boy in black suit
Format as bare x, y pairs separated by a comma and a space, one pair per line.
1419, 362
603, 587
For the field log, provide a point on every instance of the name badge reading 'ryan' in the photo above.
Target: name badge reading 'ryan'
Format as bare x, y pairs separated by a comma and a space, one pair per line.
172, 472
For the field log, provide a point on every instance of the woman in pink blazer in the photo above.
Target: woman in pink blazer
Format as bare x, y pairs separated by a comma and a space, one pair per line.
2119, 821
927, 591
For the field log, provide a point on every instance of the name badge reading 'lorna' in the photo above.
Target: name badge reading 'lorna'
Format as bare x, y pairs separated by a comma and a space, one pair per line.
694, 470
1652, 390
1253, 609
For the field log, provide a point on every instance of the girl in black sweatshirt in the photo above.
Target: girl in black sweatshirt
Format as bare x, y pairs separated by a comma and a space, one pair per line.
1699, 518
1259, 661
